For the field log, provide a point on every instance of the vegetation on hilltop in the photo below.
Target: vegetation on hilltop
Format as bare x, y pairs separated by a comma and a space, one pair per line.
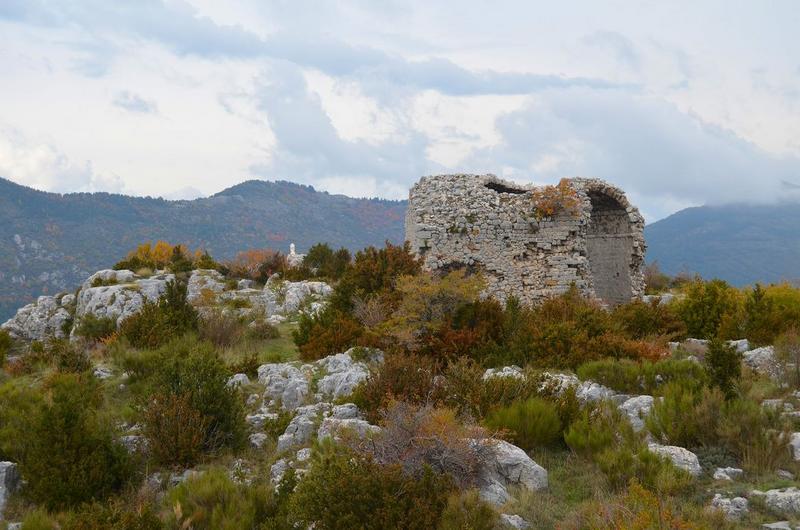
169, 376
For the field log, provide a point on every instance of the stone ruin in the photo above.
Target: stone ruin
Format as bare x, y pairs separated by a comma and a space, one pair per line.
523, 248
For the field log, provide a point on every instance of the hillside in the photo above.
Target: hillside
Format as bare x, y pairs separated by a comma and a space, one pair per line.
742, 244
51, 242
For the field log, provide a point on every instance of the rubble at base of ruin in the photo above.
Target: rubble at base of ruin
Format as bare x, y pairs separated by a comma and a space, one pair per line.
596, 242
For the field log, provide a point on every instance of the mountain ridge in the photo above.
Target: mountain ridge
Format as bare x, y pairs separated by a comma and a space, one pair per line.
51, 242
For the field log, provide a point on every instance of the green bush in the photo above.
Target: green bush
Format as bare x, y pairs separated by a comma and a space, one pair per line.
192, 370
212, 501
159, 322
467, 511
326, 333
342, 490
66, 454
67, 357
262, 330
724, 366
532, 423
221, 328
711, 309
407, 378
672, 419
112, 514
640, 320
176, 430
95, 328
6, 342
770, 311
598, 428
756, 434
622, 375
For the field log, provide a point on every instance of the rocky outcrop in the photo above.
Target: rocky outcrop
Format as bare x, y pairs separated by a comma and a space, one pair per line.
9, 482
505, 466
733, 509
763, 360
117, 294
286, 385
636, 409
680, 457
46, 317
785, 501
728, 473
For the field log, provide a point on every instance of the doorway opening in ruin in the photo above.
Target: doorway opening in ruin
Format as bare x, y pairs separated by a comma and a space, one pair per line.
609, 247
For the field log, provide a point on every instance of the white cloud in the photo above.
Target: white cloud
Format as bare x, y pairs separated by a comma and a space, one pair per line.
40, 165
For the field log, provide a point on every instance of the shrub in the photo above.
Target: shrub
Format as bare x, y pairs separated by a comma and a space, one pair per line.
623, 375
193, 371
637, 507
640, 320
323, 262
221, 328
426, 301
256, 264
95, 328
6, 342
158, 323
467, 510
66, 455
176, 430
710, 309
112, 514
770, 311
724, 366
262, 330
465, 389
755, 434
213, 501
532, 423
598, 428
419, 439
787, 352
342, 490
325, 333
374, 271
655, 281
672, 419
67, 357
407, 378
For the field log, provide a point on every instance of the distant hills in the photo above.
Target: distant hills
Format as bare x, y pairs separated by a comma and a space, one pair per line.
51, 242
742, 244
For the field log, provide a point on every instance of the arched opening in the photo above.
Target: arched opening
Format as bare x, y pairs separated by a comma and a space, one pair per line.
609, 247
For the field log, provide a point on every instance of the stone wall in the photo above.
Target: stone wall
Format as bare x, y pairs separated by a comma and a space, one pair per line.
487, 224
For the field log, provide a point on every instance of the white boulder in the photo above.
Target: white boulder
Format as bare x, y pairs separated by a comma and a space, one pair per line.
637, 408
734, 509
285, 383
40, 320
504, 465
785, 501
727, 473
9, 482
680, 457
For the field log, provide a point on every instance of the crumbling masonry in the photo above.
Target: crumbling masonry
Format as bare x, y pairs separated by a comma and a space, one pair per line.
484, 223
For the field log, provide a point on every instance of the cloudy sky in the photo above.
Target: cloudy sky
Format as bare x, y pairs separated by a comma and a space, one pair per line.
680, 103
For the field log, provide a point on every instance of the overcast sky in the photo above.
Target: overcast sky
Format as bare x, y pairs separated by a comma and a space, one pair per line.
680, 103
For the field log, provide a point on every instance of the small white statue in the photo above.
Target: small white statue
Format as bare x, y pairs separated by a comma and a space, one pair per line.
291, 249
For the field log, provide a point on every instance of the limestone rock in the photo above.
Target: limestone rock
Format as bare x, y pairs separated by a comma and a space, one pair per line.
285, 383
204, 283
637, 408
682, 458
505, 465
785, 501
40, 320
302, 427
734, 509
762, 360
506, 371
727, 473
333, 428
589, 391
237, 380
9, 482
342, 375
514, 521
257, 440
